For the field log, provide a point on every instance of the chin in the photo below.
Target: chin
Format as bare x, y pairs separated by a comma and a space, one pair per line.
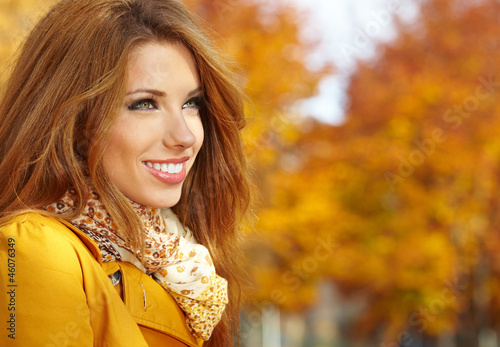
171, 201
156, 198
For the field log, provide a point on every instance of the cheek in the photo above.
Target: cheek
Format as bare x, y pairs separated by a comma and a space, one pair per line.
120, 146
112, 156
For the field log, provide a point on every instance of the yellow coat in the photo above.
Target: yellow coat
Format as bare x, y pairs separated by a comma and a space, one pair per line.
56, 292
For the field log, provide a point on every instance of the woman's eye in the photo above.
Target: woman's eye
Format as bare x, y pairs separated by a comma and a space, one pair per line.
146, 104
195, 103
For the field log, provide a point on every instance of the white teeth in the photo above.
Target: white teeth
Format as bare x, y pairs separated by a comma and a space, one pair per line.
167, 168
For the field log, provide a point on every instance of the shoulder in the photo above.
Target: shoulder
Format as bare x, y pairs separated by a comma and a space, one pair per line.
43, 242
49, 269
32, 223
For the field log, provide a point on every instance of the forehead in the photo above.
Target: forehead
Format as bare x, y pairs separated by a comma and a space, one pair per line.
161, 63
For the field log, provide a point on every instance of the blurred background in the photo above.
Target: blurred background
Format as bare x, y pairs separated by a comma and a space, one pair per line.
374, 131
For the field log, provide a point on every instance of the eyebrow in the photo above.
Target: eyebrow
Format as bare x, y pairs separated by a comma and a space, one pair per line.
194, 92
149, 91
160, 93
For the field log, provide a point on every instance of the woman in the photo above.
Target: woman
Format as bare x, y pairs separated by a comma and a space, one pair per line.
123, 181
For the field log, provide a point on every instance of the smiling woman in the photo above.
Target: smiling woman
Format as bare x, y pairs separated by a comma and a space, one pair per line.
123, 180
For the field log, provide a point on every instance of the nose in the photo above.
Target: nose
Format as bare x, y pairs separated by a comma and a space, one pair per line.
177, 133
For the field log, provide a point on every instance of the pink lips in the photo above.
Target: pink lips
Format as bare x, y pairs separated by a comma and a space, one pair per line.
165, 177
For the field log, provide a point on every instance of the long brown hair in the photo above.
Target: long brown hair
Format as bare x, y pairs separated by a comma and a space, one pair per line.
64, 95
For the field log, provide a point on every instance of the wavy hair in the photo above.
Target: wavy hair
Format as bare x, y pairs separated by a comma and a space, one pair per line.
63, 97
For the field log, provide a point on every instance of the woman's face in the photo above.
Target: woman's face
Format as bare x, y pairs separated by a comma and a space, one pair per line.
158, 132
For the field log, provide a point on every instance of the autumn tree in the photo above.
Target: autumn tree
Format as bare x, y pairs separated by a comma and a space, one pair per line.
405, 187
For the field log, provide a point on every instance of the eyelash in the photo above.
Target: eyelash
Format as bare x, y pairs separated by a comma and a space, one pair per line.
197, 100
136, 106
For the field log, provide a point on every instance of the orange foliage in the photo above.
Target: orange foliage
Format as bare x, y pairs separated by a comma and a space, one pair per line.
405, 187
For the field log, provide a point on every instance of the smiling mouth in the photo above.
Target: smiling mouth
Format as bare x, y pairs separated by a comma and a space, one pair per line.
170, 168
